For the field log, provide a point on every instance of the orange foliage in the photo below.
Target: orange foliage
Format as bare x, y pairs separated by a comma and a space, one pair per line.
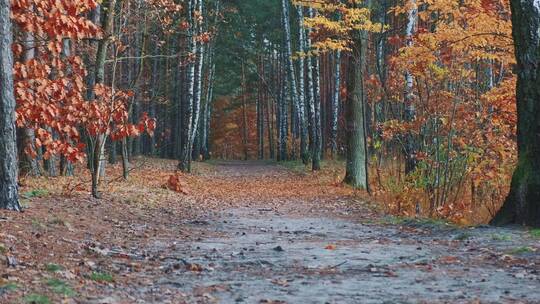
175, 183
50, 87
227, 130
464, 99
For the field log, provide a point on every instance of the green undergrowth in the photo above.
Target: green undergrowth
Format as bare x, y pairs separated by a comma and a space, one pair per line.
407, 221
35, 298
535, 233
60, 287
101, 277
521, 250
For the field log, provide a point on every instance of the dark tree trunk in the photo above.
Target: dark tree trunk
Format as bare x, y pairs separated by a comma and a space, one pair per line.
9, 197
244, 114
356, 168
522, 206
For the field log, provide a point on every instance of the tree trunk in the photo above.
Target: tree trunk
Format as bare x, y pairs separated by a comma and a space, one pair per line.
66, 167
260, 109
96, 160
269, 120
244, 114
296, 98
356, 168
304, 141
410, 110
9, 196
317, 144
522, 206
313, 108
125, 158
208, 111
335, 104
192, 109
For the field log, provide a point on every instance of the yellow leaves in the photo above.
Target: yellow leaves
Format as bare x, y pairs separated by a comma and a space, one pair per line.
438, 71
334, 33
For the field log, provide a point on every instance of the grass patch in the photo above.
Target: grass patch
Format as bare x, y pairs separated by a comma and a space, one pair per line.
3, 249
391, 220
10, 286
430, 222
51, 267
294, 165
37, 224
463, 236
535, 233
61, 287
35, 193
101, 277
56, 221
35, 298
521, 250
399, 220
501, 237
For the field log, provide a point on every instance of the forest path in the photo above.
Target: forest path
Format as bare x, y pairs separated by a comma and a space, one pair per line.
249, 232
282, 253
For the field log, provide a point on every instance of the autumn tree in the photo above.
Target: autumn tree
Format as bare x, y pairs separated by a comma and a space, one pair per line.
350, 33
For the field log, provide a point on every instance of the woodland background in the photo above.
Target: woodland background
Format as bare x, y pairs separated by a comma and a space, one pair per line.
422, 91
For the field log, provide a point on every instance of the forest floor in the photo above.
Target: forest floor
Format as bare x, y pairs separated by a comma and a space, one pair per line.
248, 232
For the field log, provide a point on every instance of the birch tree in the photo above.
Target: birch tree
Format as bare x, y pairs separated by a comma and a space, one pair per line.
335, 103
410, 157
297, 99
188, 107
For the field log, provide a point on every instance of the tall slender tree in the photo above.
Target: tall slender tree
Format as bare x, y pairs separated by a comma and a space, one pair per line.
291, 75
334, 113
410, 111
188, 107
357, 157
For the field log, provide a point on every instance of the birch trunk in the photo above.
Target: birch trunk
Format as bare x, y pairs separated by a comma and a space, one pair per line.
335, 104
187, 105
291, 75
304, 142
192, 109
317, 147
314, 109
410, 111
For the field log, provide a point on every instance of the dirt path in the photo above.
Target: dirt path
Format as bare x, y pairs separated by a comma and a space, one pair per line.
258, 233
262, 255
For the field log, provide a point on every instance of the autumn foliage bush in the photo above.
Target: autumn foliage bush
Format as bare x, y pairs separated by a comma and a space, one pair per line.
440, 96
465, 114
50, 84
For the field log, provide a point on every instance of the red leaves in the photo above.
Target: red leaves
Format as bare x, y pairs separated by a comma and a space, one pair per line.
176, 184
49, 85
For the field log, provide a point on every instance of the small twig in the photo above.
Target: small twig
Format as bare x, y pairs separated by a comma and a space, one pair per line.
337, 265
